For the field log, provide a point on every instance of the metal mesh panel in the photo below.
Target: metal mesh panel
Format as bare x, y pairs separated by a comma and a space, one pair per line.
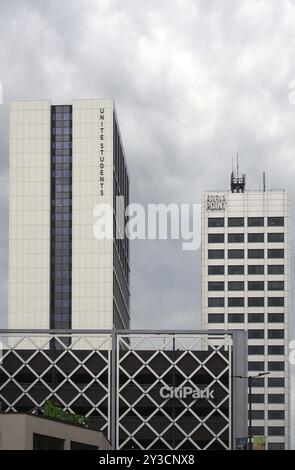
147, 365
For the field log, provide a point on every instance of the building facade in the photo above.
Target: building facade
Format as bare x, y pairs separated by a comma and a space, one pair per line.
64, 161
20, 431
151, 390
246, 285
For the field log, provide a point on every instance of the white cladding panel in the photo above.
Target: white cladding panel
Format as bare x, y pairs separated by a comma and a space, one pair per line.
29, 214
92, 259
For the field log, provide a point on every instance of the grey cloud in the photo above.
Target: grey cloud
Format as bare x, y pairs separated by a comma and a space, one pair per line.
194, 82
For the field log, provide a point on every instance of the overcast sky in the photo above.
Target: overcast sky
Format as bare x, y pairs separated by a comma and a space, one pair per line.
194, 83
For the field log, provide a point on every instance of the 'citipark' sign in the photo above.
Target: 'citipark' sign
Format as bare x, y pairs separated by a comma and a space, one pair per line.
51, 410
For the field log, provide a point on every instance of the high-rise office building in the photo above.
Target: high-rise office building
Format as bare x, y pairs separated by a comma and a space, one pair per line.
246, 285
64, 160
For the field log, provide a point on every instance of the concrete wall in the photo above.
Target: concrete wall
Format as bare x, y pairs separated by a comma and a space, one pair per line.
16, 432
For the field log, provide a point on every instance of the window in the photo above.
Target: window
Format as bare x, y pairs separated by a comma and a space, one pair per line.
276, 334
276, 431
235, 221
276, 446
255, 285
82, 446
235, 254
215, 318
275, 221
276, 414
256, 365
256, 269
276, 398
236, 301
252, 350
234, 269
276, 382
215, 222
276, 366
235, 238
275, 269
257, 398
255, 318
258, 382
215, 285
275, 301
275, 237
273, 350
217, 270
256, 302
255, 237
216, 302
276, 318
215, 238
275, 285
257, 414
258, 430
42, 442
255, 221
215, 254
255, 334
275, 253
236, 285
255, 254
235, 318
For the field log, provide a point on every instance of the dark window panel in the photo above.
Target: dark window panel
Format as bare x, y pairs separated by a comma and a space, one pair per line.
255, 318
275, 221
256, 365
235, 222
255, 254
275, 253
275, 269
255, 334
215, 318
215, 285
255, 285
235, 318
217, 270
275, 237
215, 222
274, 350
276, 382
256, 269
255, 301
276, 334
235, 254
235, 285
235, 269
216, 302
255, 221
276, 318
276, 398
235, 238
276, 414
236, 301
255, 237
276, 301
215, 254
215, 238
276, 366
275, 285
255, 350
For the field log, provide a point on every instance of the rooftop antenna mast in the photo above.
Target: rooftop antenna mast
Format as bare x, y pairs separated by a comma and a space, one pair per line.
237, 183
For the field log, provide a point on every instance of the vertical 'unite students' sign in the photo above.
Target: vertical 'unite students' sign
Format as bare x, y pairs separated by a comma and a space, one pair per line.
101, 151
